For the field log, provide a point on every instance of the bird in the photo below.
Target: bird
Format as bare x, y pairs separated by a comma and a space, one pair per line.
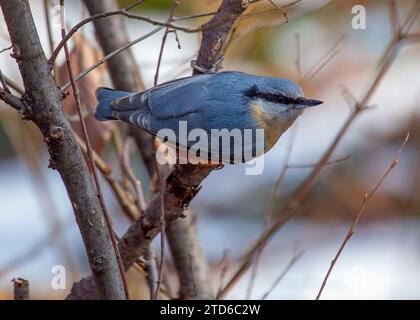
200, 108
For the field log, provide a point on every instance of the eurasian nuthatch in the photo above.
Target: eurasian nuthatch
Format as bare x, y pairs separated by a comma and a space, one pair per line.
222, 102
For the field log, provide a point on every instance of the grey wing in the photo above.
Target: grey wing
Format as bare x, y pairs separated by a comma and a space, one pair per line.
178, 98
171, 100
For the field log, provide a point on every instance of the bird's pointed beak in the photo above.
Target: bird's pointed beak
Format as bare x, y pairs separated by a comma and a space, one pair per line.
308, 103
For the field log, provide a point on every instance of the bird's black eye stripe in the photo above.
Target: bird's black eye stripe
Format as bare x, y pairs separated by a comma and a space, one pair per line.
276, 97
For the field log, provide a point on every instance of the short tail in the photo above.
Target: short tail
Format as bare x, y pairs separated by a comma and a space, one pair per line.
105, 96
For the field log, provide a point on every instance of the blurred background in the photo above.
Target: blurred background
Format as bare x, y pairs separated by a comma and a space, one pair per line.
37, 226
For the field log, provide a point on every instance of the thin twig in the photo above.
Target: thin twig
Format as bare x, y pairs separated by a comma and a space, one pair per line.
365, 201
48, 23
90, 153
223, 270
162, 46
192, 277
126, 205
7, 48
284, 13
10, 83
110, 55
282, 274
130, 15
309, 165
395, 20
298, 58
323, 61
149, 256
159, 178
126, 165
4, 83
151, 267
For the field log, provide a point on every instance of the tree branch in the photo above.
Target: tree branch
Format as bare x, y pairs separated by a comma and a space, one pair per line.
45, 100
20, 289
214, 39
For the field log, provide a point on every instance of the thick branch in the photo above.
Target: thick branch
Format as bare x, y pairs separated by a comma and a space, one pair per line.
45, 100
20, 289
214, 39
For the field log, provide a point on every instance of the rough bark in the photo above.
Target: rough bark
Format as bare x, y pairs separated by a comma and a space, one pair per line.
184, 181
216, 33
44, 101
20, 289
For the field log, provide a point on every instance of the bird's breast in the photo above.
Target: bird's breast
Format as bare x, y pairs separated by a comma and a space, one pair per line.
273, 126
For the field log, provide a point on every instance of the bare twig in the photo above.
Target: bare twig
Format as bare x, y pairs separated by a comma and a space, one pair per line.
282, 274
365, 201
192, 278
320, 64
149, 256
124, 71
20, 289
159, 178
298, 61
140, 199
90, 152
111, 55
162, 219
126, 205
7, 48
48, 23
165, 35
284, 13
223, 270
311, 165
125, 12
395, 19
11, 84
151, 267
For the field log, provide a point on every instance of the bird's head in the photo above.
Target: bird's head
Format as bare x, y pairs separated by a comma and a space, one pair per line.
275, 104
279, 98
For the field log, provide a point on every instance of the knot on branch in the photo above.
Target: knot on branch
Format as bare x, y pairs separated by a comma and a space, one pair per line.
55, 135
98, 262
207, 69
184, 193
245, 4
